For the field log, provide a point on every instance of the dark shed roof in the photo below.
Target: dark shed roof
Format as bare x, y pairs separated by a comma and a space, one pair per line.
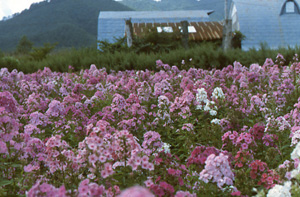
199, 31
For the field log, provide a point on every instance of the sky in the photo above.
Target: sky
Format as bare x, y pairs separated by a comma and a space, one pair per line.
9, 7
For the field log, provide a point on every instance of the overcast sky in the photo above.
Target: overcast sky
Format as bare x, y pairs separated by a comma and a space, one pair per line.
9, 7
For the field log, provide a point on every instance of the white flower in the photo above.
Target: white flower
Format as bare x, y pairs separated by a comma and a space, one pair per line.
206, 108
215, 121
201, 95
165, 148
296, 152
294, 173
280, 190
218, 93
163, 100
118, 163
91, 176
88, 102
94, 98
295, 137
199, 107
213, 112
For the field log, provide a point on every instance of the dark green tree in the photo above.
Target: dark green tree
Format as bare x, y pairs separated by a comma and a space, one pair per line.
24, 46
40, 53
237, 39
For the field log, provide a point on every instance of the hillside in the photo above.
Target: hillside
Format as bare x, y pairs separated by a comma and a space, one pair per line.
164, 5
70, 23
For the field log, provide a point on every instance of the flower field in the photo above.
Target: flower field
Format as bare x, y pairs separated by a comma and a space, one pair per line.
193, 132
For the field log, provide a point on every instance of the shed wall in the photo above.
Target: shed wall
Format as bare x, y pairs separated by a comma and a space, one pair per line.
262, 23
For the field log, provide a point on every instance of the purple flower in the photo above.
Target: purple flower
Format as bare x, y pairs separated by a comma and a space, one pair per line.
8, 101
55, 109
3, 147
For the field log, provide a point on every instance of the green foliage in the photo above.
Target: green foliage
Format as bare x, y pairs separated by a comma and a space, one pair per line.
157, 42
117, 46
40, 53
150, 42
24, 46
118, 56
9, 62
11, 168
237, 39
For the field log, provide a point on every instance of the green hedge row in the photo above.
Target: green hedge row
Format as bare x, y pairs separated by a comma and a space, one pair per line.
204, 55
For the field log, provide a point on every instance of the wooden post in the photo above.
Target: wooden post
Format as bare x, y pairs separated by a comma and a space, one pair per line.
185, 34
129, 32
227, 30
227, 34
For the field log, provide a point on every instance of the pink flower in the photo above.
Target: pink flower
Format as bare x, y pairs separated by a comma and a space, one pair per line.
92, 146
262, 168
104, 173
145, 165
108, 167
237, 193
145, 159
184, 194
45, 187
180, 181
167, 186
84, 183
148, 183
93, 158
102, 158
28, 168
138, 160
244, 146
171, 171
96, 190
151, 166
136, 191
231, 137
83, 190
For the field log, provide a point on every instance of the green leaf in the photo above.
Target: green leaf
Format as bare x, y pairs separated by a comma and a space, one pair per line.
15, 165
285, 146
4, 182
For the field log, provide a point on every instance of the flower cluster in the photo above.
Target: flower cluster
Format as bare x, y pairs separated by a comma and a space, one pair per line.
280, 190
174, 132
199, 155
217, 169
205, 104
